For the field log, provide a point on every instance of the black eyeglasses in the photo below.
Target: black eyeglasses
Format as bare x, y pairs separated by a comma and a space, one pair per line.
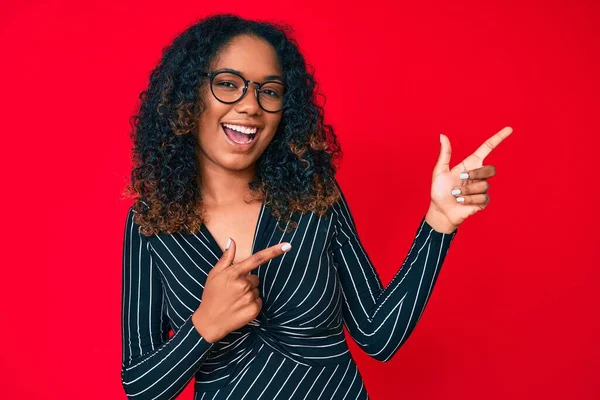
230, 86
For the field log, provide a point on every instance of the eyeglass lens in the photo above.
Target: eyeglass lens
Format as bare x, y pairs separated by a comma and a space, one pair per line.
229, 88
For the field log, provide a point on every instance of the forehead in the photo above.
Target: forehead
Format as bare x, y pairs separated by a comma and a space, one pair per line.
253, 57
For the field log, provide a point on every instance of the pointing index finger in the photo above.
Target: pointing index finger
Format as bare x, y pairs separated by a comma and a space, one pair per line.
261, 257
486, 148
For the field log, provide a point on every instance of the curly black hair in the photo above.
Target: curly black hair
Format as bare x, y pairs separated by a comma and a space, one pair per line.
294, 174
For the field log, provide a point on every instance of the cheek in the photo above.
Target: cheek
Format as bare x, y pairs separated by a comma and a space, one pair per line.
213, 112
267, 137
273, 123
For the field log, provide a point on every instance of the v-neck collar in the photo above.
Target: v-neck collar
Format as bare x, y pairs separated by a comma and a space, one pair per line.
215, 246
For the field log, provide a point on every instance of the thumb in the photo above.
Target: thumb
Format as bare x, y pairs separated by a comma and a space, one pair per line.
443, 162
227, 257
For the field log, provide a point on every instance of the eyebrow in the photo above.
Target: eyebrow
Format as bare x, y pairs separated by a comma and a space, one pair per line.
267, 78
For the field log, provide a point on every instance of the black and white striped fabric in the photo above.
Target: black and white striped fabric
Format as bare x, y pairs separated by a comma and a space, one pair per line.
295, 348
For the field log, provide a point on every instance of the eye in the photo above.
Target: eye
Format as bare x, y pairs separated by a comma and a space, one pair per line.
227, 84
271, 93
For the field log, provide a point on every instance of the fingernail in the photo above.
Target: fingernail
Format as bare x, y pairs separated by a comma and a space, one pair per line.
228, 243
464, 175
440, 138
455, 192
286, 247
460, 199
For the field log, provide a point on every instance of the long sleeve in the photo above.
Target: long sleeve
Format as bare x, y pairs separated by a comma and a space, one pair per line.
381, 320
153, 366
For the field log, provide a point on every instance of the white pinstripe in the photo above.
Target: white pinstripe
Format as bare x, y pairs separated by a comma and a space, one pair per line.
307, 325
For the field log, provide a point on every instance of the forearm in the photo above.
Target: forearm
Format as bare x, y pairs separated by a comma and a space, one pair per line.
392, 316
165, 371
381, 319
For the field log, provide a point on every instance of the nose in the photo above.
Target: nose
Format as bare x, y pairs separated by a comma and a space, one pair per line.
249, 102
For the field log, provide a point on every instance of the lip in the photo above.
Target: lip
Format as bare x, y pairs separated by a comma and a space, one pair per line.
237, 146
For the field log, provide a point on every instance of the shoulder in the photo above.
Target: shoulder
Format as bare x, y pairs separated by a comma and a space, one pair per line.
132, 225
131, 228
130, 217
341, 204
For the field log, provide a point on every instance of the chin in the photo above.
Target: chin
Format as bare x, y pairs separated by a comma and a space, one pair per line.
241, 164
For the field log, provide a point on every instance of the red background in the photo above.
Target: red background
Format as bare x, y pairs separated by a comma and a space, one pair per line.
514, 313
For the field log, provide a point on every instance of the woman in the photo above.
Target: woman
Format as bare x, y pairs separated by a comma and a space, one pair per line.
241, 241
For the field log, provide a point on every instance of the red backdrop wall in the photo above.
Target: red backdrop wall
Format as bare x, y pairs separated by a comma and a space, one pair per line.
514, 313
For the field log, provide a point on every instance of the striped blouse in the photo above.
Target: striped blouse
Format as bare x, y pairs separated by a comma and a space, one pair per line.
295, 348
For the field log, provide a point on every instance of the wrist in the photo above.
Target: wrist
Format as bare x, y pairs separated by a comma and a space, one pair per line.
203, 329
438, 221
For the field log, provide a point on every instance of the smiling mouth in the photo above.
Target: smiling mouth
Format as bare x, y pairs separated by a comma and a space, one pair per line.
239, 137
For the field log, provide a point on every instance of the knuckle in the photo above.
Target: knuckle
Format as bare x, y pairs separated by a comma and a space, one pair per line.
248, 297
244, 286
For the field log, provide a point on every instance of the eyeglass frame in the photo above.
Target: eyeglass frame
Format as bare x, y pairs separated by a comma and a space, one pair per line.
212, 75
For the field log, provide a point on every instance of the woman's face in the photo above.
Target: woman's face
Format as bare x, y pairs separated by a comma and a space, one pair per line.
256, 60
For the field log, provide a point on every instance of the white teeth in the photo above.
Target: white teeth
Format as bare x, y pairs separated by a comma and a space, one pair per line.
242, 129
249, 136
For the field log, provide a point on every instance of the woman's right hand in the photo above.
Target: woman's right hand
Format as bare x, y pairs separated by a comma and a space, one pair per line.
231, 299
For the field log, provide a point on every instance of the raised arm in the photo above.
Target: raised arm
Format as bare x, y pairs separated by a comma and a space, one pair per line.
153, 366
381, 320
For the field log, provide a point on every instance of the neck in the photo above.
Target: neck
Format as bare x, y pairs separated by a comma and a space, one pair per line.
224, 187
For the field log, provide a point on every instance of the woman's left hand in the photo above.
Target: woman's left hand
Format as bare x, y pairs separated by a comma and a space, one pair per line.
473, 197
